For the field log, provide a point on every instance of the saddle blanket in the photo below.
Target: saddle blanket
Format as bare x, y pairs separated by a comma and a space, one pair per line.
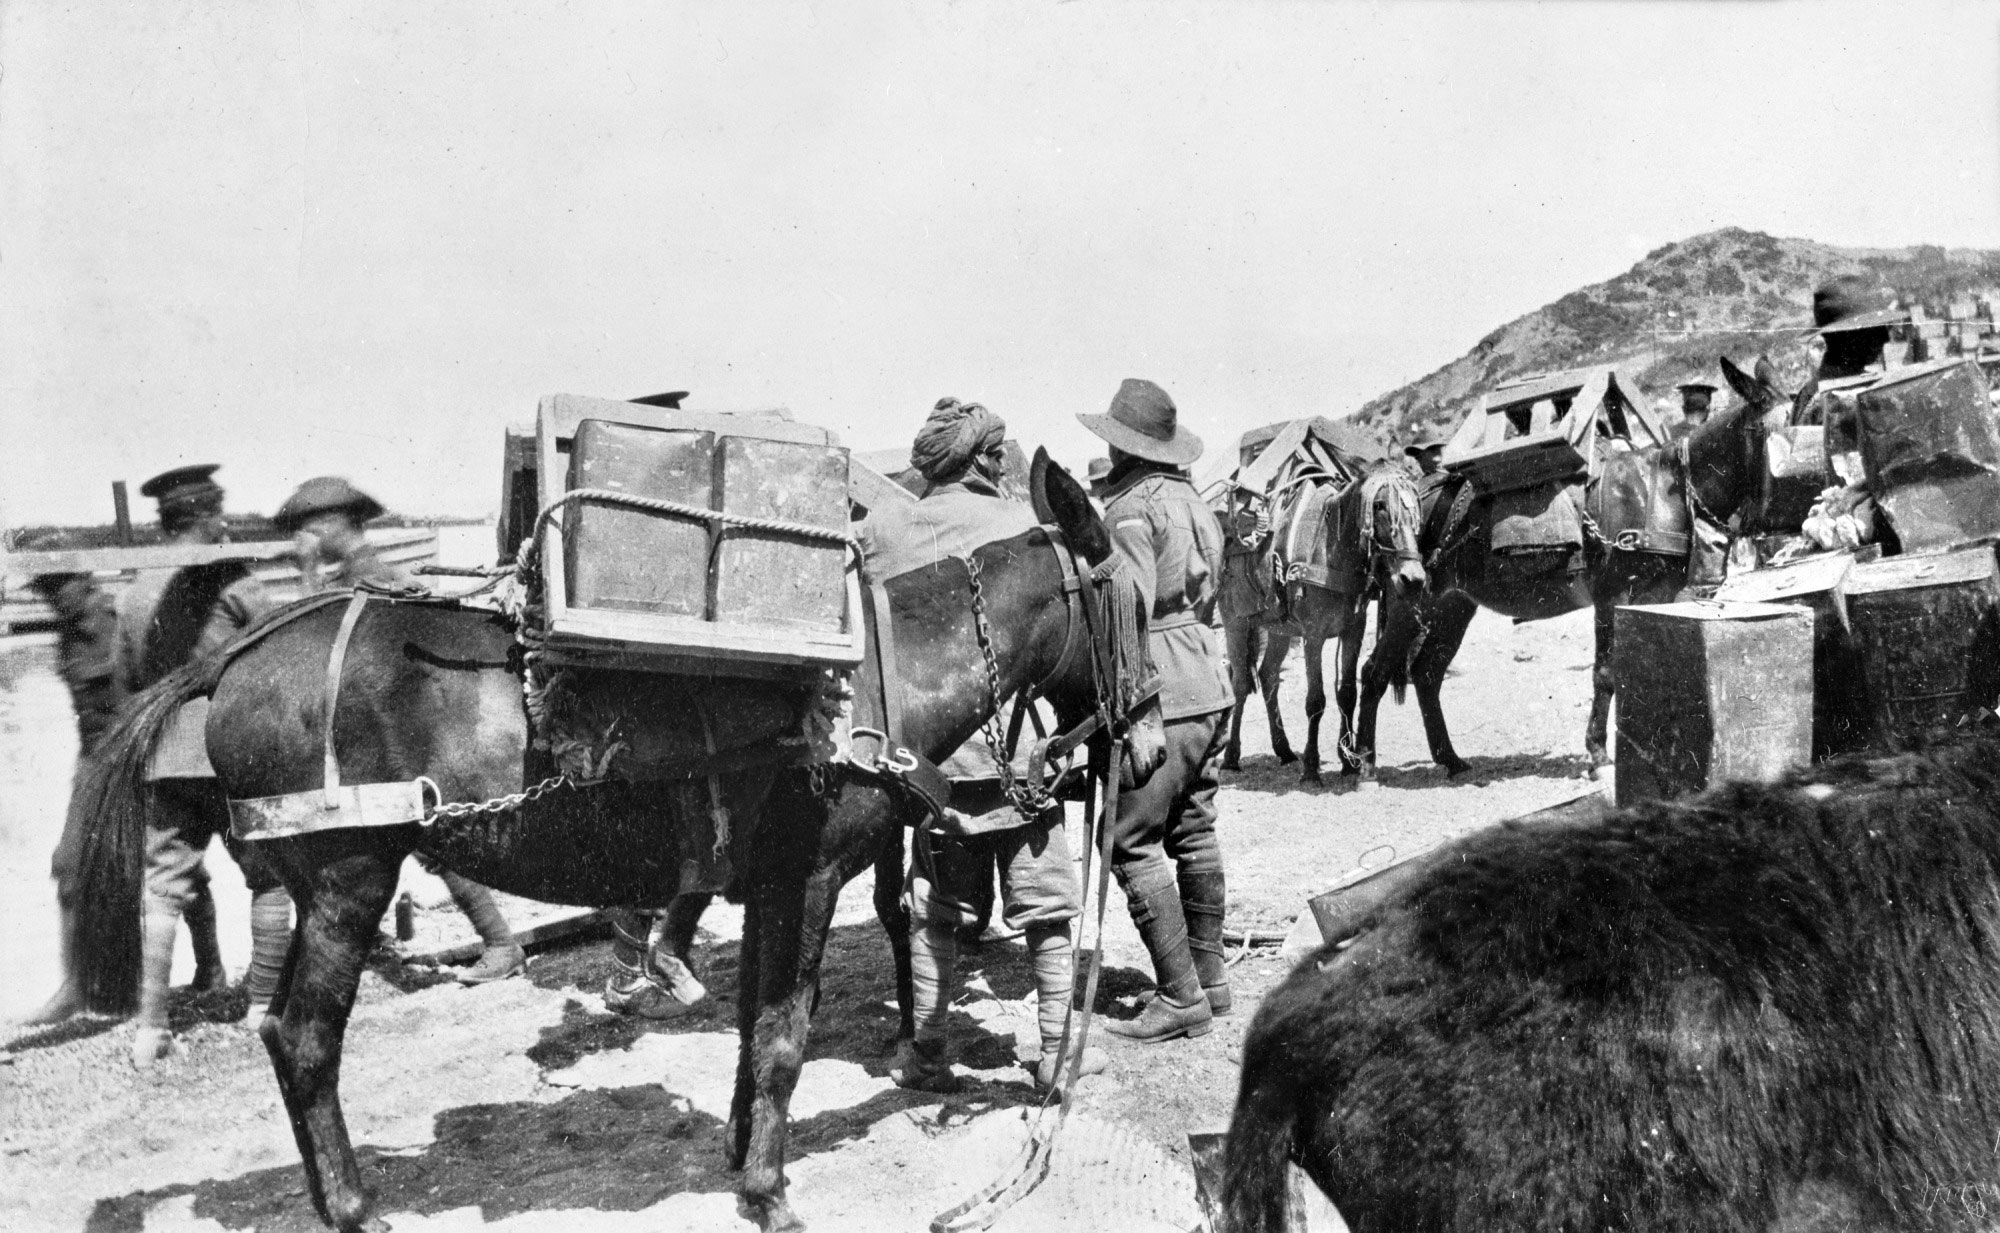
1539, 519
650, 726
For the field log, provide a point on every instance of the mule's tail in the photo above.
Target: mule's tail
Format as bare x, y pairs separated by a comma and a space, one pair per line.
1399, 670
1256, 1184
107, 815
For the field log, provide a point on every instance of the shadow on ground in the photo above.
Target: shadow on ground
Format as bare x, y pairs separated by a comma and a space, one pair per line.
628, 1148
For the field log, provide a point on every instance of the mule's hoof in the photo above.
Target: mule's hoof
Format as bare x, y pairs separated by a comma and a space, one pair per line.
1366, 783
1232, 764
150, 1045
1285, 756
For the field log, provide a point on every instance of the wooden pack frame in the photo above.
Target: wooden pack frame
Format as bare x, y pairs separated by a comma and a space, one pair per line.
612, 638
1545, 428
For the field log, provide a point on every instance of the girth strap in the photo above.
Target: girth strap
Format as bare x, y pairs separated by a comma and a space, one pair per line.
336, 660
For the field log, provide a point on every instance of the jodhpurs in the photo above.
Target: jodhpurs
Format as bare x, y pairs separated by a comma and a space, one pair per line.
1038, 883
186, 814
1167, 825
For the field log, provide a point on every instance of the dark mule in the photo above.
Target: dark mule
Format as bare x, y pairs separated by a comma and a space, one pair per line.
1773, 1007
435, 691
1383, 504
1421, 631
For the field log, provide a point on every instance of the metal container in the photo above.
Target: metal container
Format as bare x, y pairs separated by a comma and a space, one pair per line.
762, 578
1925, 633
1711, 692
1840, 707
1931, 450
639, 560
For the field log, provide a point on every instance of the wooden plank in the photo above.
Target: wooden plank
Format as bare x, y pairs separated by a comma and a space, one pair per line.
156, 556
572, 923
1921, 570
872, 490
635, 632
561, 413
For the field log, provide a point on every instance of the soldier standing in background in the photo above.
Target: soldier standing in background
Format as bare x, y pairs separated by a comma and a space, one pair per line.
86, 639
1164, 848
325, 518
168, 618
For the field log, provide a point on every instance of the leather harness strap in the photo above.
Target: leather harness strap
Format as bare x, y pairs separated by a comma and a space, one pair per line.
335, 661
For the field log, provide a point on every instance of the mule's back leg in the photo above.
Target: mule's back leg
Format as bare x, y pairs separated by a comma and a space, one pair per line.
1443, 625
1242, 642
1344, 692
342, 882
1270, 669
894, 913
1315, 703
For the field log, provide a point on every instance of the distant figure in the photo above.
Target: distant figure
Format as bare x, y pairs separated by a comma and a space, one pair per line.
1098, 472
1853, 318
1696, 398
1427, 452
168, 618
325, 518
86, 641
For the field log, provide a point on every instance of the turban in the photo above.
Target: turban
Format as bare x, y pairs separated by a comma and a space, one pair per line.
954, 435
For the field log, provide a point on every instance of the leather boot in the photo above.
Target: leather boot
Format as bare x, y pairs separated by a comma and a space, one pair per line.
209, 974
503, 956
153, 1040
270, 943
1180, 1009
1055, 976
922, 1063
1202, 902
651, 981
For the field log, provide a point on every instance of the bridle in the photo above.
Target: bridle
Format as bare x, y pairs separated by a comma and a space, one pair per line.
1094, 607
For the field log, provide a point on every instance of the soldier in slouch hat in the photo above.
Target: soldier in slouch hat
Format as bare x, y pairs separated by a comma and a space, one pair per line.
1164, 847
325, 518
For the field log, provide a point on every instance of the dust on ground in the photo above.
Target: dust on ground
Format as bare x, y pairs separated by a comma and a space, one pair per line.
525, 1105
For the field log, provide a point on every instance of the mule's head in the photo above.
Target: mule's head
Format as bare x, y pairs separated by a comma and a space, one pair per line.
1123, 662
1725, 456
1393, 532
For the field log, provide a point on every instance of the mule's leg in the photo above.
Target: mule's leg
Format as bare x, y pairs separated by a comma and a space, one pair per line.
1343, 693
1604, 681
1240, 648
1270, 666
894, 913
342, 883
1444, 625
1315, 705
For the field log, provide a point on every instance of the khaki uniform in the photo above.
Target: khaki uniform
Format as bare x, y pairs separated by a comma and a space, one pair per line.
168, 618
1164, 835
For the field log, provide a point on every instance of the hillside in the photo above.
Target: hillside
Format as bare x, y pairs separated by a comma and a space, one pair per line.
1665, 320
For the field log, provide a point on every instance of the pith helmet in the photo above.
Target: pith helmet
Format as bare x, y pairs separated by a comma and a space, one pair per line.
1144, 422
325, 495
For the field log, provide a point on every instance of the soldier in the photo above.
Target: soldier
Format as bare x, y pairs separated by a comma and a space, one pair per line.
167, 618
86, 633
1095, 473
325, 519
958, 452
1164, 847
1427, 452
1853, 319
1696, 397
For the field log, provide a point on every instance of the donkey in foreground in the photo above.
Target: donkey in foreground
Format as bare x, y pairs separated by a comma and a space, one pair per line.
434, 691
1773, 1007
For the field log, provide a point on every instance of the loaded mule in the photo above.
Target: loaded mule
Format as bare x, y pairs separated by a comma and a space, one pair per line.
431, 693
1772, 1007
1333, 545
1625, 532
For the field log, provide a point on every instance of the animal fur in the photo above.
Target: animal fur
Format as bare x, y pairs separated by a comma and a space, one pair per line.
1773, 1007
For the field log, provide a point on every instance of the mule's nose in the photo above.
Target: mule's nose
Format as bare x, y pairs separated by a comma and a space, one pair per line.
1409, 576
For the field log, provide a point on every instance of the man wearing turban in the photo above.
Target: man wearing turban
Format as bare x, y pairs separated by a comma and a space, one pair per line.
958, 453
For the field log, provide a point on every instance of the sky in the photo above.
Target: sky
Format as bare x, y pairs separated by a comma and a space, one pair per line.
361, 238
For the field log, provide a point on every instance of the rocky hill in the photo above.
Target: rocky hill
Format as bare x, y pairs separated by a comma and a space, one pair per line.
1665, 320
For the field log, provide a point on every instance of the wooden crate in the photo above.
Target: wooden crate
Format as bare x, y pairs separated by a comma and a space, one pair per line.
1924, 628
640, 560
1817, 584
690, 643
1711, 692
1932, 453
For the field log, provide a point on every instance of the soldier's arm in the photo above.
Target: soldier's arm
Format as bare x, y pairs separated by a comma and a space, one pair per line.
246, 599
1132, 539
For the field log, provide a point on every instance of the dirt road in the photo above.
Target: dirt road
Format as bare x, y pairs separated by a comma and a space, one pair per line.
527, 1106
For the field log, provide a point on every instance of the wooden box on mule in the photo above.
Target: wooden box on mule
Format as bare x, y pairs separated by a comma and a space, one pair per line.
672, 591
1931, 450
1709, 692
1927, 633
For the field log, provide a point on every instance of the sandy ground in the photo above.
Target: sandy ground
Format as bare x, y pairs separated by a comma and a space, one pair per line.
526, 1106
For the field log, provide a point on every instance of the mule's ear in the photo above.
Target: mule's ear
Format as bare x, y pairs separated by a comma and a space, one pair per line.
1743, 383
1061, 501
